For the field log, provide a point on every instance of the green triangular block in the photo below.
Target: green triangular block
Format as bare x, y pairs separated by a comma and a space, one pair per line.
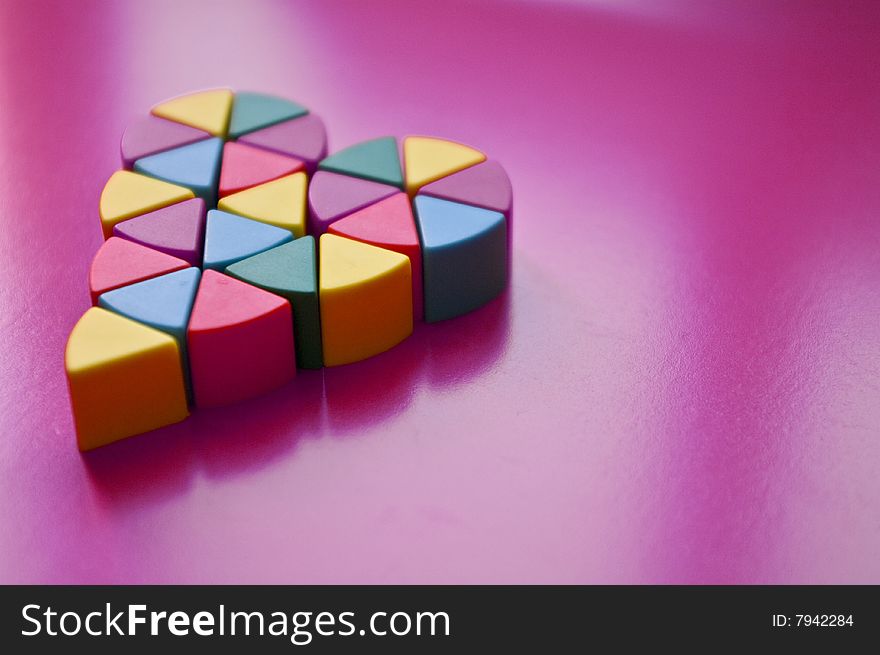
290, 271
376, 160
254, 111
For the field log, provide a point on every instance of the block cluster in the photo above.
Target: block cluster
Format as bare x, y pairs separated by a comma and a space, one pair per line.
237, 251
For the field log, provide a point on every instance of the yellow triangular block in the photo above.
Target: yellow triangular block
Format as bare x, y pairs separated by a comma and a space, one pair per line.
346, 262
128, 194
281, 202
427, 159
124, 378
206, 110
365, 297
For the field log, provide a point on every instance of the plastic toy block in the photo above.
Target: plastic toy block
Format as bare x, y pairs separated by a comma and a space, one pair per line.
464, 256
245, 166
290, 271
332, 196
366, 299
151, 134
428, 159
124, 378
485, 185
252, 111
163, 302
195, 166
303, 138
240, 341
177, 230
119, 262
281, 202
128, 194
376, 160
388, 224
230, 238
205, 110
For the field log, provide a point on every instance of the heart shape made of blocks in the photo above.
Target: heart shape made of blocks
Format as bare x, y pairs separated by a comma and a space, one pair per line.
236, 251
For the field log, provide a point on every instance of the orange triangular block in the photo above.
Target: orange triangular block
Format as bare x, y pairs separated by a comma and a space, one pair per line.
124, 378
388, 224
366, 299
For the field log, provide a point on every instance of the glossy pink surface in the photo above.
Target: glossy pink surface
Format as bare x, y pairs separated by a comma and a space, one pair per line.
683, 384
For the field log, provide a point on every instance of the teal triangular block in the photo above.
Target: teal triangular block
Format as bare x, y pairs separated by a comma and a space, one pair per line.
291, 271
254, 111
376, 160
196, 166
290, 268
230, 238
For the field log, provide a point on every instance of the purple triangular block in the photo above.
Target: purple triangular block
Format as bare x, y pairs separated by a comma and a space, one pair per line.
303, 138
151, 134
332, 196
177, 230
484, 185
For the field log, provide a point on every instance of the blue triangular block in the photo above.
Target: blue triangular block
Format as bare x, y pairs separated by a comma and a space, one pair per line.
162, 302
230, 238
195, 166
254, 111
443, 222
377, 160
464, 256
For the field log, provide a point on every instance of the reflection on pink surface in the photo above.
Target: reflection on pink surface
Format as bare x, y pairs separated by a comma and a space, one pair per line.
680, 386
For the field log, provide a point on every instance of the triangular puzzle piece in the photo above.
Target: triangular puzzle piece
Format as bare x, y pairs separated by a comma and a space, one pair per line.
376, 160
246, 166
252, 111
290, 271
124, 378
332, 196
195, 166
484, 185
464, 256
389, 224
427, 159
366, 299
119, 262
230, 238
240, 341
304, 138
151, 134
162, 302
177, 230
205, 110
281, 202
128, 194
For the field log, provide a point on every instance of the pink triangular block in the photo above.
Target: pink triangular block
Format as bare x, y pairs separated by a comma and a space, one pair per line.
484, 185
151, 134
332, 196
119, 262
177, 230
245, 166
304, 138
388, 224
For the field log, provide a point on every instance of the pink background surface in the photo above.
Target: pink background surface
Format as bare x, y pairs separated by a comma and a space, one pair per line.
683, 384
